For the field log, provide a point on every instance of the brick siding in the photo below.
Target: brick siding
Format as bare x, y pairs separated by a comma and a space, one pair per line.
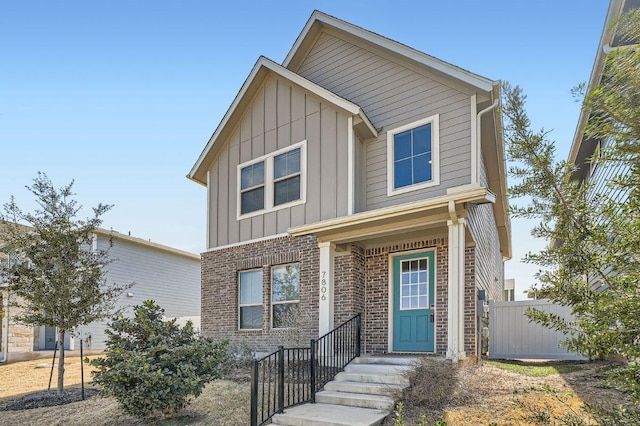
220, 309
361, 285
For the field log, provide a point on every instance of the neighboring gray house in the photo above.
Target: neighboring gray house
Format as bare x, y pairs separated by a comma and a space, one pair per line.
166, 275
583, 148
360, 176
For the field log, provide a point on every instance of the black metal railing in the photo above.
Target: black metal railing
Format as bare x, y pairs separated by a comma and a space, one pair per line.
292, 376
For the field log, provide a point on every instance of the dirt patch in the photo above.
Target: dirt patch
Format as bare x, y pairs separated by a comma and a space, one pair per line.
47, 399
484, 394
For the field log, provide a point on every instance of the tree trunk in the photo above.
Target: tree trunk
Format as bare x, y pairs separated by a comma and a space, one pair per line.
61, 362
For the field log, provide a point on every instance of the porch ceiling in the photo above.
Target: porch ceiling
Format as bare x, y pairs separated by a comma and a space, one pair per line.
392, 221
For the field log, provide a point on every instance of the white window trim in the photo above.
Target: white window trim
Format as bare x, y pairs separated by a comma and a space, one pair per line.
240, 305
269, 181
434, 120
401, 286
272, 303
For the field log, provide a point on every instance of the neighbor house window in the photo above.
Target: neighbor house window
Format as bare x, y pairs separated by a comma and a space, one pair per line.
413, 156
273, 181
251, 299
285, 289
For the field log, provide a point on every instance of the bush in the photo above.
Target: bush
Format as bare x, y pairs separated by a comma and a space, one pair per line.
154, 366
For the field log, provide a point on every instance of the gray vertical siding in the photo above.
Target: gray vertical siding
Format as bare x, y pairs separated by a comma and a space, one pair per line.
392, 95
281, 114
488, 263
171, 280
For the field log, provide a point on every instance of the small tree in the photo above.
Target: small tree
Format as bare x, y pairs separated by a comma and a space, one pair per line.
54, 276
154, 366
592, 262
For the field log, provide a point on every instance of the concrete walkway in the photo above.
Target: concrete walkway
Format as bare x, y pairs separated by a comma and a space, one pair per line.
362, 395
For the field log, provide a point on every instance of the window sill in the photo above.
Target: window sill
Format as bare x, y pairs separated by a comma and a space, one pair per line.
272, 209
410, 188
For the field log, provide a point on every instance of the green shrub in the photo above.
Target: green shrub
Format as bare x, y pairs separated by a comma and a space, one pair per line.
152, 366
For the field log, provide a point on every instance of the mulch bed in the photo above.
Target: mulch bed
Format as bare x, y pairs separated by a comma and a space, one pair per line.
48, 399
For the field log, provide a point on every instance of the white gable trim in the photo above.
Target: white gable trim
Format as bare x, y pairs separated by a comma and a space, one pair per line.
268, 64
463, 75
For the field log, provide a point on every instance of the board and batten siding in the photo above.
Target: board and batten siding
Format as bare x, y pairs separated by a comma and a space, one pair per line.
489, 266
281, 114
393, 94
170, 279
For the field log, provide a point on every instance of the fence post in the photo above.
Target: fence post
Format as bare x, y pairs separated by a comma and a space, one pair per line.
312, 371
358, 334
254, 394
280, 379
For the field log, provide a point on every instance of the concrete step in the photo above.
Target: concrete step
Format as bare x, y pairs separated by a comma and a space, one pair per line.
360, 387
362, 400
387, 360
390, 379
329, 415
377, 369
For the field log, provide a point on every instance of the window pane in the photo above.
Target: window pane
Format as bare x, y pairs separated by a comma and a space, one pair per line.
402, 145
285, 315
252, 175
422, 302
251, 317
422, 139
287, 190
422, 168
286, 282
286, 164
252, 200
402, 173
250, 287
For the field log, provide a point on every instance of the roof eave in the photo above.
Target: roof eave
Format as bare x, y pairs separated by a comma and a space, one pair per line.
615, 9
198, 173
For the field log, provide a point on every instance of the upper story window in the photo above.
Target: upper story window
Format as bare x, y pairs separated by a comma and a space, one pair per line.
273, 181
252, 188
413, 156
286, 177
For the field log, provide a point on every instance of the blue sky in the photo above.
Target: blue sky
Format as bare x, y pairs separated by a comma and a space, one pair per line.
123, 95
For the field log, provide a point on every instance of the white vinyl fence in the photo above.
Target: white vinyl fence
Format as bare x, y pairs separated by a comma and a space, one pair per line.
512, 336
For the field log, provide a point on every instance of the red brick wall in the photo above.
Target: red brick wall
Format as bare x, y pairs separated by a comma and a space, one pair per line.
220, 270
349, 284
376, 320
470, 300
361, 285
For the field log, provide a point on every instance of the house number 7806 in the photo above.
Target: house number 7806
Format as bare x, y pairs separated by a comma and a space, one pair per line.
323, 286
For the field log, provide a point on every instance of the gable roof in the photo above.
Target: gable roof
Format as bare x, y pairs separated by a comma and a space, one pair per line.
320, 21
252, 84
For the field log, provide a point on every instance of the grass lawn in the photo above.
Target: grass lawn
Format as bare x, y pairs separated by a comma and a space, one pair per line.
222, 402
534, 370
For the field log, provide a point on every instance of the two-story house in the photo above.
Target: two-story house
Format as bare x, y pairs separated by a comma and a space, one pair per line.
358, 176
164, 274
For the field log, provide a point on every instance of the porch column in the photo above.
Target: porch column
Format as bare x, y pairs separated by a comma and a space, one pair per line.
455, 311
325, 299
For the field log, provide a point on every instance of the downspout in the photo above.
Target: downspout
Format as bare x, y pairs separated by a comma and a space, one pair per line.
479, 136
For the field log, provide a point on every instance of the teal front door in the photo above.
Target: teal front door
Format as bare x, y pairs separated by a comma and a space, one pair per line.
413, 302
